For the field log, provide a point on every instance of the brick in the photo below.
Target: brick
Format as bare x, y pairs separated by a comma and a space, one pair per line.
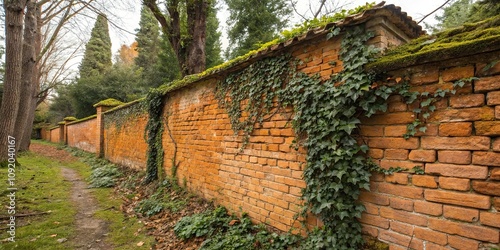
403, 191
495, 174
485, 84
402, 228
495, 146
396, 107
374, 220
430, 235
467, 101
395, 131
461, 199
396, 154
466, 230
493, 98
399, 178
486, 69
486, 158
390, 118
455, 157
463, 115
458, 184
491, 128
455, 129
432, 88
490, 219
457, 73
376, 153
429, 208
496, 203
371, 208
395, 238
403, 216
371, 130
459, 213
425, 76
460, 243
424, 181
367, 230
423, 155
463, 171
432, 130
401, 204
393, 143
386, 164
374, 198
456, 143
377, 177
484, 187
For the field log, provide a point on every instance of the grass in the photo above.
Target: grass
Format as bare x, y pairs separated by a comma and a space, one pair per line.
41, 188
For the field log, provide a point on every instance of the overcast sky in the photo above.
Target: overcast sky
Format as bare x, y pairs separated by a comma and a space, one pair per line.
415, 9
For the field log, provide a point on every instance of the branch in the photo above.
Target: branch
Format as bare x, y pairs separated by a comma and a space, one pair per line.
319, 9
447, 1
165, 24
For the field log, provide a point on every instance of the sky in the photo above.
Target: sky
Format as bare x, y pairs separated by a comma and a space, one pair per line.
415, 9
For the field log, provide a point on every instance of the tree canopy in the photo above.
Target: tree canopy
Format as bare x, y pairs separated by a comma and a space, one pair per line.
254, 22
97, 58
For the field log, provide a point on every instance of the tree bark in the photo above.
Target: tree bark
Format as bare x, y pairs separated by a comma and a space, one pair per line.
190, 50
14, 16
26, 138
28, 80
197, 25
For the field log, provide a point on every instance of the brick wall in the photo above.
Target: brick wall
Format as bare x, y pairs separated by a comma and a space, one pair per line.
453, 205
82, 135
54, 135
124, 143
456, 202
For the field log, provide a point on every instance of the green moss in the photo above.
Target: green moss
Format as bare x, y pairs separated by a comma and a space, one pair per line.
110, 102
470, 38
60, 123
70, 118
286, 35
125, 105
83, 119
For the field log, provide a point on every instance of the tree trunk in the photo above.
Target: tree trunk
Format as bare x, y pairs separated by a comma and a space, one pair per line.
26, 138
12, 80
28, 81
190, 51
197, 25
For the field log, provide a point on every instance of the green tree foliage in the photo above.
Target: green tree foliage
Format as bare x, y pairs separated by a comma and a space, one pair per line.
62, 105
120, 83
254, 22
465, 11
213, 43
97, 58
156, 59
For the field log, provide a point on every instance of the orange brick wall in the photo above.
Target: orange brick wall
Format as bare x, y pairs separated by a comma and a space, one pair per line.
82, 135
124, 144
54, 135
456, 202
453, 205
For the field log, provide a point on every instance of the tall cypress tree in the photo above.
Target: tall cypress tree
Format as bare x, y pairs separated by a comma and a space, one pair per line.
155, 55
254, 22
97, 58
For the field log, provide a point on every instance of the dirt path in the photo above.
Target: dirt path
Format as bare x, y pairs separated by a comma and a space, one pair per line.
90, 232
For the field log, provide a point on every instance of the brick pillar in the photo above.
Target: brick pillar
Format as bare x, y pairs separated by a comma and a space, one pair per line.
101, 108
62, 134
67, 122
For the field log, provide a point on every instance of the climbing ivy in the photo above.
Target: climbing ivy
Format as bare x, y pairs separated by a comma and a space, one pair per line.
154, 131
328, 113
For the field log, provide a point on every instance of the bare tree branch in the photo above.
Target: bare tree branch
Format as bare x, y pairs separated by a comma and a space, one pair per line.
434, 11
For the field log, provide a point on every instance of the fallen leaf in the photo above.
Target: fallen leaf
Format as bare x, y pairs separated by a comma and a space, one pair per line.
140, 244
53, 235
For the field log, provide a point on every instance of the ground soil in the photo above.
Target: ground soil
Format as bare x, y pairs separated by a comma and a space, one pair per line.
90, 232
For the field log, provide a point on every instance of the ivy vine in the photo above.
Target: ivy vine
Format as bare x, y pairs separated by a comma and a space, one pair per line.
328, 113
154, 131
